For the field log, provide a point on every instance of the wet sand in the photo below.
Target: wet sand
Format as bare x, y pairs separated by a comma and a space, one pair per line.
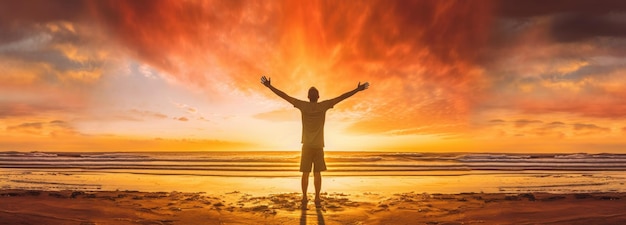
132, 207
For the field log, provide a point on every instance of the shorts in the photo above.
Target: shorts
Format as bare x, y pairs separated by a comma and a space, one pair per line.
312, 156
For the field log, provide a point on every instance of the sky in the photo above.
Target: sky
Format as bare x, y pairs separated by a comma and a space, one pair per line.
182, 75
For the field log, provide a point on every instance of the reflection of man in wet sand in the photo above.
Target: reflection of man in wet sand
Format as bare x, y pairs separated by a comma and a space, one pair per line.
313, 117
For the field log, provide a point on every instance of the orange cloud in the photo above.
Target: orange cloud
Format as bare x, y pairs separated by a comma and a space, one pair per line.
52, 129
544, 131
425, 51
49, 66
30, 128
589, 128
557, 57
523, 122
146, 113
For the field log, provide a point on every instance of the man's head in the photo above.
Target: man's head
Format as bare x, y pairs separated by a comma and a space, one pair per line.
313, 94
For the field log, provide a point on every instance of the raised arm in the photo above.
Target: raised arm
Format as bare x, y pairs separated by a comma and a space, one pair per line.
359, 87
268, 83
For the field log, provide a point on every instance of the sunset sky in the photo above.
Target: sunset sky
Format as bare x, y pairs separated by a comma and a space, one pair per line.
157, 75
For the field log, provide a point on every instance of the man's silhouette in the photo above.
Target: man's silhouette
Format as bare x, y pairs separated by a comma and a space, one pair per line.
313, 117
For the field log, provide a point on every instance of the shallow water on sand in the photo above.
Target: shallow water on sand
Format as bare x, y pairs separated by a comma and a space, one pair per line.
350, 172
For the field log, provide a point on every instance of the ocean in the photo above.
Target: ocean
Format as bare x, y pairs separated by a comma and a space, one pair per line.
397, 171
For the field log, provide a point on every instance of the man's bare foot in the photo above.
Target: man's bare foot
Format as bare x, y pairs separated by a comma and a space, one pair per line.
318, 202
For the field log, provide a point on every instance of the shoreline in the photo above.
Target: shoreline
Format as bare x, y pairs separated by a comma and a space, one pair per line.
489, 183
22, 206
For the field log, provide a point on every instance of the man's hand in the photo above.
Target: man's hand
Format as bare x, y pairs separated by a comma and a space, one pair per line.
265, 81
362, 87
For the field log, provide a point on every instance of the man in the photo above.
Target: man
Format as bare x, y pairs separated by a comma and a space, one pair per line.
313, 117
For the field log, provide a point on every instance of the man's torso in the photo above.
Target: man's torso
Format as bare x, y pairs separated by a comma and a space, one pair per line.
313, 119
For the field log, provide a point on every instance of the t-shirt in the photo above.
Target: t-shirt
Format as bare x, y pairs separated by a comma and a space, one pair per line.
313, 118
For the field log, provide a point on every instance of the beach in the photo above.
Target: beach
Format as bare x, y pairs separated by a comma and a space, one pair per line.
263, 188
131, 207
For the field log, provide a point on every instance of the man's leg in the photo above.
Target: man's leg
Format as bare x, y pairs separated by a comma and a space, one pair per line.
317, 181
305, 184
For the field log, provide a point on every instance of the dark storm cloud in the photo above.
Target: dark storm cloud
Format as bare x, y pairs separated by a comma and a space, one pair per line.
579, 27
34, 11
531, 8
574, 20
16, 17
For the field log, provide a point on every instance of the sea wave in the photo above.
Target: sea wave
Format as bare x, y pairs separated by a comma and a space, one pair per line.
355, 163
